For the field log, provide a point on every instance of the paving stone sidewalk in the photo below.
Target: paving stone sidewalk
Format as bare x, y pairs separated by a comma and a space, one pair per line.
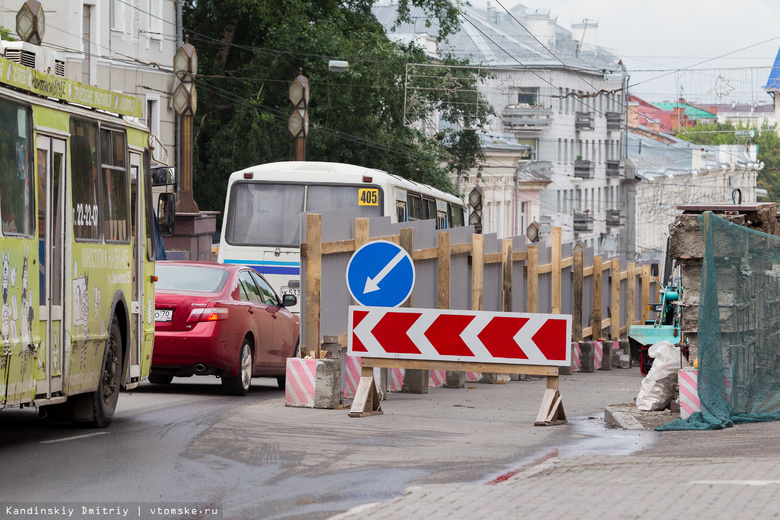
601, 487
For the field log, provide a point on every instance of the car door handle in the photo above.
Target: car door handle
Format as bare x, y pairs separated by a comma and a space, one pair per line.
251, 311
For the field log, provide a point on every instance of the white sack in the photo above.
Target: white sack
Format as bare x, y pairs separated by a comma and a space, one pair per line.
657, 389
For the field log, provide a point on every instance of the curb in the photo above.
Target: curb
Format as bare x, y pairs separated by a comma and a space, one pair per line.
622, 418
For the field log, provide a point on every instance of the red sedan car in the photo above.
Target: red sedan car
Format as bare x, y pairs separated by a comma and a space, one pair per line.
223, 320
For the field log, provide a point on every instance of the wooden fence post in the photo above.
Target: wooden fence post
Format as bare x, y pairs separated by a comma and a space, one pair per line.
443, 280
614, 321
313, 284
361, 232
597, 272
407, 242
533, 279
630, 295
506, 275
645, 293
477, 271
577, 295
556, 271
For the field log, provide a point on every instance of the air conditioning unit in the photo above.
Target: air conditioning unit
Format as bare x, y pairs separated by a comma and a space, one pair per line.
34, 56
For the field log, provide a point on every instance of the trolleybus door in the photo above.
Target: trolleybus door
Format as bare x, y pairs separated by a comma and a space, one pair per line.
50, 159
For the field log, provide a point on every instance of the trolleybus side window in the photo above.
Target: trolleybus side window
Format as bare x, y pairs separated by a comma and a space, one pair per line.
113, 162
16, 170
84, 175
455, 215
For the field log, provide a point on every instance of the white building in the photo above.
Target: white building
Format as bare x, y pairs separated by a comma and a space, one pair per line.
674, 172
560, 93
120, 45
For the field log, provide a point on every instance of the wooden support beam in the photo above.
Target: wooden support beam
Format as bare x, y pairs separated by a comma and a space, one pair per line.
532, 291
313, 284
366, 401
614, 326
460, 366
551, 412
596, 320
556, 271
477, 272
577, 296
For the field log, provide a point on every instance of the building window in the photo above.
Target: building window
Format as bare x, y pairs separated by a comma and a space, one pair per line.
155, 19
528, 96
86, 40
559, 150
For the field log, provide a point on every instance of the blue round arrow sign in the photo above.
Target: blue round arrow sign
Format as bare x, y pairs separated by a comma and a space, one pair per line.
380, 274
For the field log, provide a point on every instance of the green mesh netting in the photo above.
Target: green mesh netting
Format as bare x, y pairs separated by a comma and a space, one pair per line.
739, 328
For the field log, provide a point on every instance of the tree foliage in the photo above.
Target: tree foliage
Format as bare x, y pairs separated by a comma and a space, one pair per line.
766, 139
249, 51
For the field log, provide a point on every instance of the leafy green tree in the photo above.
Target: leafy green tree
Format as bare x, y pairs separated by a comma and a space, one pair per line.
766, 139
249, 51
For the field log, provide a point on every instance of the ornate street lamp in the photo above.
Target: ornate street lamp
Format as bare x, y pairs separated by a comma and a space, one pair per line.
298, 123
185, 102
31, 22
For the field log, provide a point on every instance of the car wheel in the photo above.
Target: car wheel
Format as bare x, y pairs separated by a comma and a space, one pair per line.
104, 399
160, 379
239, 385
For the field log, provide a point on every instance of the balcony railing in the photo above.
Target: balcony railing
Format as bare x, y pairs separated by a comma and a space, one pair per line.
615, 168
614, 120
583, 222
583, 169
584, 121
524, 117
613, 217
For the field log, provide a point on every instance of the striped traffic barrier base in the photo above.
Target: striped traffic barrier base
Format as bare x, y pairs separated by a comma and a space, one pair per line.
300, 388
689, 392
395, 379
473, 377
437, 378
576, 354
598, 355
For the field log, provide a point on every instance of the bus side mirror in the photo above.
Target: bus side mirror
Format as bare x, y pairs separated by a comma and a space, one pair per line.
164, 176
166, 214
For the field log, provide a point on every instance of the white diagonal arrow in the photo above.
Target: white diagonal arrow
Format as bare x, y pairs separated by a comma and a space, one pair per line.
372, 284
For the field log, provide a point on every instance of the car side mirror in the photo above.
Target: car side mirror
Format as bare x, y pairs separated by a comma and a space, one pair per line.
166, 214
289, 300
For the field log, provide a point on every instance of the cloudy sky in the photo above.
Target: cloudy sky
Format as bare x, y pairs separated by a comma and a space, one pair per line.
657, 37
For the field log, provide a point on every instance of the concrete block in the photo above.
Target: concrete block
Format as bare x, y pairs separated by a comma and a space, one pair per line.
455, 379
313, 383
625, 361
587, 351
602, 352
415, 381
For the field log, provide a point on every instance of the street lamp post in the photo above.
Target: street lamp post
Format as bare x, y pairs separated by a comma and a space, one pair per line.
185, 102
298, 124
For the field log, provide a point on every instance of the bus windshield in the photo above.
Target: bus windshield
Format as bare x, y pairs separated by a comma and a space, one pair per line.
267, 214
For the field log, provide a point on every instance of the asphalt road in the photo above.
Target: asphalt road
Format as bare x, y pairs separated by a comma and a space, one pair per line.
254, 458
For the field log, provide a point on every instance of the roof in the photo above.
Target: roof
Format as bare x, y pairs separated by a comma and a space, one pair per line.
773, 83
691, 111
500, 42
656, 159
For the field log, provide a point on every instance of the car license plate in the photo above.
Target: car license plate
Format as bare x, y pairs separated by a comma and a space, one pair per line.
163, 314
295, 292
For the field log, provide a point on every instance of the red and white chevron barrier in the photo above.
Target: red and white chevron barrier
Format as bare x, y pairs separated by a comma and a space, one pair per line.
457, 335
689, 392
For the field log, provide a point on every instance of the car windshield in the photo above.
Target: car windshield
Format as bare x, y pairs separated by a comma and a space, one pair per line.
190, 278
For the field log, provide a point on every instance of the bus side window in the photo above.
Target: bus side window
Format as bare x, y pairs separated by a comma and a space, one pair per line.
441, 220
414, 202
455, 215
400, 210
429, 209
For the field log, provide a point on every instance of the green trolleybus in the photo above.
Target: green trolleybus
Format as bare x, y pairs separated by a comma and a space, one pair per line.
76, 244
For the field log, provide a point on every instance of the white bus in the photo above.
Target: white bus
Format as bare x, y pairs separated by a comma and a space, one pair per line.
261, 227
